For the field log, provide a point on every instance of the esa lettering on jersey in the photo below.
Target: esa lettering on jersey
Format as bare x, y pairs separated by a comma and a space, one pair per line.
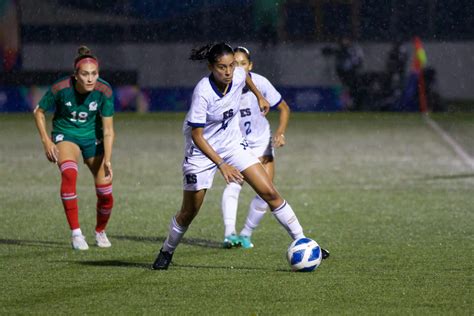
226, 117
245, 112
228, 114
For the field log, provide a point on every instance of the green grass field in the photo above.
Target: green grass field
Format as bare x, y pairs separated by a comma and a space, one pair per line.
383, 192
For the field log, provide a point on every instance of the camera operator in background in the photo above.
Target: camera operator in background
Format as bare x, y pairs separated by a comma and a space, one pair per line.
396, 65
348, 60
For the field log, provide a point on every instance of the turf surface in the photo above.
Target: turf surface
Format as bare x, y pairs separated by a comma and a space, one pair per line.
383, 192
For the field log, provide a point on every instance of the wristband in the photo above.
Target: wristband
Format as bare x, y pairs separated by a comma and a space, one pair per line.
220, 164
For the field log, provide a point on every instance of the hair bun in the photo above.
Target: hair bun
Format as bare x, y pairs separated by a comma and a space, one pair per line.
84, 50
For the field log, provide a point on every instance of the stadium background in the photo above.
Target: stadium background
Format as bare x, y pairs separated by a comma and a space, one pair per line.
144, 45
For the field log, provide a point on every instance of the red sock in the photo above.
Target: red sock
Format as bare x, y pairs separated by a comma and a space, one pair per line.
105, 202
68, 192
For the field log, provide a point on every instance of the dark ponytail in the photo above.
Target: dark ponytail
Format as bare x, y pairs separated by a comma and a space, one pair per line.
211, 52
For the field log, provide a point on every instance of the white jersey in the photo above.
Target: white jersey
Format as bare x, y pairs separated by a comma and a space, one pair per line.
217, 114
253, 125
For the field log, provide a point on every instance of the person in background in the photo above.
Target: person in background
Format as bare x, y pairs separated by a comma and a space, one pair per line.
349, 62
396, 64
256, 129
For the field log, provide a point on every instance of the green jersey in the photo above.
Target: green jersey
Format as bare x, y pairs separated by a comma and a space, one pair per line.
78, 115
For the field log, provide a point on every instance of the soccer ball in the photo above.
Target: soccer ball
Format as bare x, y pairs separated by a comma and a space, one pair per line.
304, 255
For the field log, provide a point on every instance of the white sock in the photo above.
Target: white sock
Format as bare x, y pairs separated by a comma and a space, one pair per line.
76, 232
257, 210
175, 235
287, 218
230, 202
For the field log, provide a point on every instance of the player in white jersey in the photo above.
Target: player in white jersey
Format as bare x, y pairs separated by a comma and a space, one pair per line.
214, 141
256, 129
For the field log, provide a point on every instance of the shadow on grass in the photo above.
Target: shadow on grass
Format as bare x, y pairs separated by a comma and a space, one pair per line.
114, 263
44, 243
36, 243
196, 266
450, 177
125, 264
188, 241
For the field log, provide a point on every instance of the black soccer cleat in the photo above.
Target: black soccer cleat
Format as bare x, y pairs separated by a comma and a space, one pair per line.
324, 253
162, 261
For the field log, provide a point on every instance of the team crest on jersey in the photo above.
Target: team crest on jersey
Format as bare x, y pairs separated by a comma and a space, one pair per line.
68, 103
93, 106
59, 137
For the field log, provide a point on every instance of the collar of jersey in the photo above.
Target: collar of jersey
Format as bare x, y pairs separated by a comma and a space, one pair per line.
214, 87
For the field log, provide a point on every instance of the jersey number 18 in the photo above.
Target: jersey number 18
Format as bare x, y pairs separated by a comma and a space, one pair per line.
80, 117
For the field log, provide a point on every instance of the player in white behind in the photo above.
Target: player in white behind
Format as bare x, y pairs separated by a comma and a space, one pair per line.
214, 141
256, 129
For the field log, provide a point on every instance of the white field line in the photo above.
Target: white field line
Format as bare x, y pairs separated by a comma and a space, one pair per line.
465, 157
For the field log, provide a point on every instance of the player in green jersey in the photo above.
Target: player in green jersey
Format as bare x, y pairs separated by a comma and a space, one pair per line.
82, 125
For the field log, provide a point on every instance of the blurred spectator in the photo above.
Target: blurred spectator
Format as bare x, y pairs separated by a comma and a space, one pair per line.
396, 65
9, 36
349, 61
131, 99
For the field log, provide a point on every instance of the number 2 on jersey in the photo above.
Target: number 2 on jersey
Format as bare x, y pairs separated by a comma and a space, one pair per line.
247, 125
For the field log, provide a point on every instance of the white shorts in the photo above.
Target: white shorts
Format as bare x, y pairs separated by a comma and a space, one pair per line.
198, 171
263, 149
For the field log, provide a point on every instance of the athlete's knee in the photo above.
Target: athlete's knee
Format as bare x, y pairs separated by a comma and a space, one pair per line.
68, 170
270, 195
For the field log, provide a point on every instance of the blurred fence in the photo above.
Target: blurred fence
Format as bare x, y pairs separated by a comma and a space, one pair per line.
294, 65
132, 98
144, 45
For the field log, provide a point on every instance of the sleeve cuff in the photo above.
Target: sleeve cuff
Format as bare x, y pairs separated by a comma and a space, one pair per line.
279, 101
196, 124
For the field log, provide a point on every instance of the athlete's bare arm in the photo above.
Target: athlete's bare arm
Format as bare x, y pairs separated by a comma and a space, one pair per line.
50, 148
262, 102
109, 135
279, 136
